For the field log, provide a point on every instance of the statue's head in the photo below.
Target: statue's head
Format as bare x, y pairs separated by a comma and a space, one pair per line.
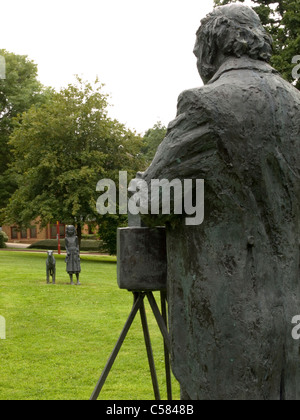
230, 31
70, 230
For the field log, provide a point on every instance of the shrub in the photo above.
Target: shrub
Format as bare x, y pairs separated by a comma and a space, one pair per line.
3, 239
51, 244
108, 227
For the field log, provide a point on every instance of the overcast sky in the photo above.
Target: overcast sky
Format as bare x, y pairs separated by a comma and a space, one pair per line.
142, 50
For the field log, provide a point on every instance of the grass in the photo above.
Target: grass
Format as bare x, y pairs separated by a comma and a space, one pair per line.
58, 338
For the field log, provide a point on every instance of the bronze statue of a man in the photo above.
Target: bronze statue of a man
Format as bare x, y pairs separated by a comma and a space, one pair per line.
73, 253
234, 281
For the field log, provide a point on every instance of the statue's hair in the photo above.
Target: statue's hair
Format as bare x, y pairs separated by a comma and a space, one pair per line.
234, 30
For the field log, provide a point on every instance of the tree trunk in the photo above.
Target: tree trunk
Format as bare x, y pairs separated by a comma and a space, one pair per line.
79, 234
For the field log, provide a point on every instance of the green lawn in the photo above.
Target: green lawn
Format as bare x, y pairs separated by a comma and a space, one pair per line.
58, 338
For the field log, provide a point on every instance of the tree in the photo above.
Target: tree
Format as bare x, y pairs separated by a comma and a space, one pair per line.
281, 18
61, 150
152, 139
108, 231
18, 92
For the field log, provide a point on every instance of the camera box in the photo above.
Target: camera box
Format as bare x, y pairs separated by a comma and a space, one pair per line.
142, 259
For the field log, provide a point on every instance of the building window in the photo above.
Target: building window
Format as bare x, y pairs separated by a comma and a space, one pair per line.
24, 234
33, 233
14, 233
54, 231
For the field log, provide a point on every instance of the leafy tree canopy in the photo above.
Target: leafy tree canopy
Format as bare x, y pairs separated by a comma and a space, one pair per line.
152, 139
18, 92
61, 150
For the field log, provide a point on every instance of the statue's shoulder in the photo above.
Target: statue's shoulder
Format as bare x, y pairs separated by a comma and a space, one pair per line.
203, 97
190, 98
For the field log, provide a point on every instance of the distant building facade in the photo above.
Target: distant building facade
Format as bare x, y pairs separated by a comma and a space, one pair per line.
35, 233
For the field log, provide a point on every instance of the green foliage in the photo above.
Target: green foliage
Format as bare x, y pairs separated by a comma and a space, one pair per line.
281, 18
18, 92
108, 231
3, 239
109, 223
152, 139
61, 150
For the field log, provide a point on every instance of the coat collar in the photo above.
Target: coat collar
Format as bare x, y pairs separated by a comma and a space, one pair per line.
243, 63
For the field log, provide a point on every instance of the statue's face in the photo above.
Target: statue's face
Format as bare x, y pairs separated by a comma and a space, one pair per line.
70, 230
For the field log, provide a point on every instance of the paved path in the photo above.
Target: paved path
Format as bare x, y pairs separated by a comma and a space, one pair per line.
18, 246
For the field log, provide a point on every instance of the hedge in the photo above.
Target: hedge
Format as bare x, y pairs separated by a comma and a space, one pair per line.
51, 244
3, 239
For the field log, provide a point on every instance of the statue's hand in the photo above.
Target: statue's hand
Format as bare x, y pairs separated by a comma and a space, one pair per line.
134, 184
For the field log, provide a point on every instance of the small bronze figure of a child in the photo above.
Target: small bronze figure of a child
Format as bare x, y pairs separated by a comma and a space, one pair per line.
73, 254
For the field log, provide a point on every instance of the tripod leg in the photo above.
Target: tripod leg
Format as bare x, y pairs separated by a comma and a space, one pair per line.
149, 352
167, 356
138, 301
160, 321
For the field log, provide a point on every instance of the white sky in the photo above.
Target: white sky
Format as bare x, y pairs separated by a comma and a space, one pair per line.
142, 50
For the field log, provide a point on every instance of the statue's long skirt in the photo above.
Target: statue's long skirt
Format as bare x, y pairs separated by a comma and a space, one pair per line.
73, 263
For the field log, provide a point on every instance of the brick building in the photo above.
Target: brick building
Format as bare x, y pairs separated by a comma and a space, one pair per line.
35, 233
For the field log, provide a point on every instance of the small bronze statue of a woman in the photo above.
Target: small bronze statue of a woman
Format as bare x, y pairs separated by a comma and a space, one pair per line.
73, 253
